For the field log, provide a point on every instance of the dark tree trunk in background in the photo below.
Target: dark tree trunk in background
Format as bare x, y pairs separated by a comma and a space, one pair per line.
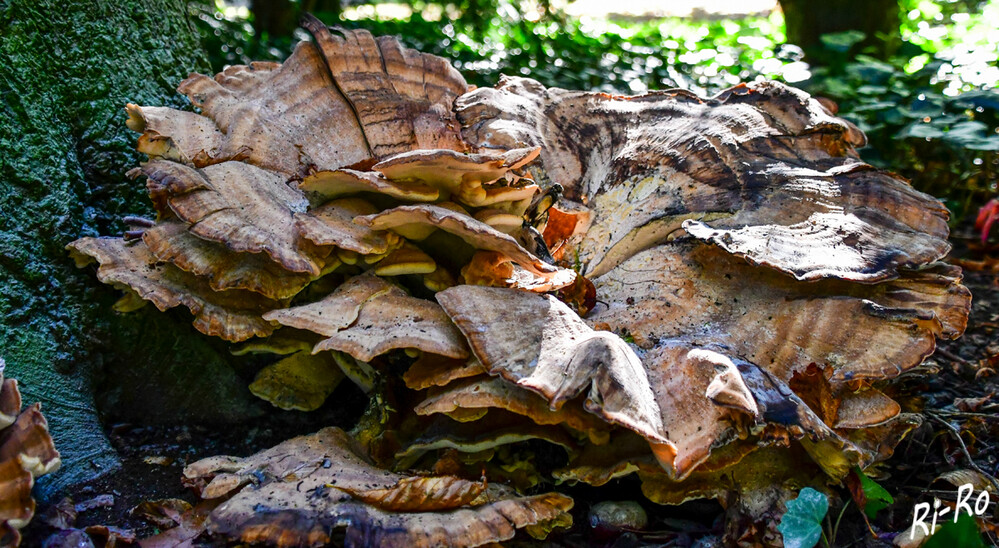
274, 17
68, 68
279, 18
807, 20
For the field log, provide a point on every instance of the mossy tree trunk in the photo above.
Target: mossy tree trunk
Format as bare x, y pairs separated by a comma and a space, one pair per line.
67, 68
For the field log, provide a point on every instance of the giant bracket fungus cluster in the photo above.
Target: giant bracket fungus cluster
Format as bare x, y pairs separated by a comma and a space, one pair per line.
709, 293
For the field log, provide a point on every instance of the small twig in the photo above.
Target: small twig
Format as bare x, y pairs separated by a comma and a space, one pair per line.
133, 234
967, 414
135, 220
950, 355
964, 449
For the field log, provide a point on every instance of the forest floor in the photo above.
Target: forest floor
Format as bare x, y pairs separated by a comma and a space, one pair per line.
953, 389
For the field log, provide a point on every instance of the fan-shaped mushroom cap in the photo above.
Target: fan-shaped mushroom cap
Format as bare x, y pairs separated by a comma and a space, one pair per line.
282, 342
170, 240
513, 199
432, 370
246, 208
538, 343
285, 511
337, 310
332, 224
625, 454
390, 322
401, 97
344, 182
360, 373
288, 118
408, 259
300, 381
495, 429
765, 161
864, 408
498, 393
475, 233
500, 220
176, 135
233, 315
685, 290
454, 172
566, 220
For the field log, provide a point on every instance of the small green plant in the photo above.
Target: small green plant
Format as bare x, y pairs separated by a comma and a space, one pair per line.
874, 497
802, 524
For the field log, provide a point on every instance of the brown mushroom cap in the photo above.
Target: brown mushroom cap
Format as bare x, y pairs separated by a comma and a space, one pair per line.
332, 224
496, 429
288, 118
26, 452
408, 259
336, 311
432, 370
498, 393
300, 381
344, 182
246, 208
450, 169
176, 135
233, 315
538, 343
170, 240
401, 97
10, 400
16, 505
395, 322
500, 220
865, 408
475, 233
686, 289
282, 342
259, 513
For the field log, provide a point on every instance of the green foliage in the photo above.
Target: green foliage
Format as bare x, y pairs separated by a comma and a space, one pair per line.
964, 533
877, 498
801, 525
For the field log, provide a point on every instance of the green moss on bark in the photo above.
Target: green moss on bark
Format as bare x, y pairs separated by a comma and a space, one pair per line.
68, 69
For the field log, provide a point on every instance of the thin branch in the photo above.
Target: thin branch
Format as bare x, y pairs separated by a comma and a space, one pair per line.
964, 449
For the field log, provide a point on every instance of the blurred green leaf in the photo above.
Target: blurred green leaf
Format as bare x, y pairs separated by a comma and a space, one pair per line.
964, 533
842, 41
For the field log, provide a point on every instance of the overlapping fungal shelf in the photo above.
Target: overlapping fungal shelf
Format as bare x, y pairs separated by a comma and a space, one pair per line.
691, 290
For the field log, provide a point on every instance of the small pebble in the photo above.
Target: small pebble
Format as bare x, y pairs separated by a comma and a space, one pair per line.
611, 516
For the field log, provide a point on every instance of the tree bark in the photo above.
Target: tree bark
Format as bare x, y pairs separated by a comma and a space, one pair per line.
806, 21
68, 69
